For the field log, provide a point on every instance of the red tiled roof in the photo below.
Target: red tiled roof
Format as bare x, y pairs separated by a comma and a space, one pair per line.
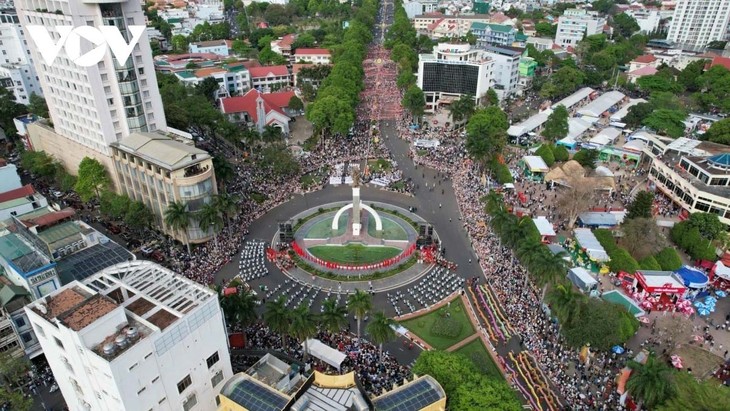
721, 61
646, 59
286, 41
247, 103
312, 52
644, 71
21, 192
298, 66
499, 18
435, 24
50, 218
258, 72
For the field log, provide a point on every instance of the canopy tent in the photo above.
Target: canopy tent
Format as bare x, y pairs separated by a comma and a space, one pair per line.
576, 128
529, 125
597, 107
536, 164
574, 98
605, 137
544, 226
721, 270
569, 142
590, 243
603, 171
426, 143
582, 279
660, 282
598, 219
692, 277
324, 352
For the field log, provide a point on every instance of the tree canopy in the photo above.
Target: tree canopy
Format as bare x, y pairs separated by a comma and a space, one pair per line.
641, 206
92, 179
719, 132
602, 324
486, 133
556, 126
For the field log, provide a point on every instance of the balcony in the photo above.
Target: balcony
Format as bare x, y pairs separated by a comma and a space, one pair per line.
195, 170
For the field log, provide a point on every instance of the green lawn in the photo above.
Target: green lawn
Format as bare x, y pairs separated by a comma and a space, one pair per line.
354, 253
421, 326
323, 228
379, 165
391, 229
477, 353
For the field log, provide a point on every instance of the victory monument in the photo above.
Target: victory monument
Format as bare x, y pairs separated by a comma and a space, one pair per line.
356, 205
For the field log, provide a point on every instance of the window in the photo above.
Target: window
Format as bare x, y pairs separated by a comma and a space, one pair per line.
190, 402
184, 383
217, 378
162, 400
40, 331
27, 337
141, 70
58, 342
148, 354
154, 380
20, 322
212, 360
141, 390
133, 366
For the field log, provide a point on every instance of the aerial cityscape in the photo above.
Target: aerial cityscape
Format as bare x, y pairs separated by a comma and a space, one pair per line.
351, 205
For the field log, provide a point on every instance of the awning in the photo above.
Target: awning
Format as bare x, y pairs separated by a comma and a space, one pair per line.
590, 243
582, 278
658, 282
536, 164
544, 226
692, 277
722, 271
325, 353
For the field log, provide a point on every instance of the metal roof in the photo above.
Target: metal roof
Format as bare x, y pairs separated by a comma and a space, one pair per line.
161, 150
600, 105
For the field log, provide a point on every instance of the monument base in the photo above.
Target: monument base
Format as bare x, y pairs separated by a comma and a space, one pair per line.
356, 229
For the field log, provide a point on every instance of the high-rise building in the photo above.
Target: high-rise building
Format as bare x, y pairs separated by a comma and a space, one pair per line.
92, 107
506, 69
575, 24
134, 336
696, 23
453, 70
17, 72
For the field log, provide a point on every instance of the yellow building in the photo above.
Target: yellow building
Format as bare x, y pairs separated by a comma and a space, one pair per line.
158, 170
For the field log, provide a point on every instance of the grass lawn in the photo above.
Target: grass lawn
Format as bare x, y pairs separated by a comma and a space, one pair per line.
258, 197
323, 228
421, 326
391, 229
354, 253
379, 165
310, 179
477, 353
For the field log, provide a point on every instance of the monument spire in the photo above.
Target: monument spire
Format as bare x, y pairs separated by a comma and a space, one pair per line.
356, 224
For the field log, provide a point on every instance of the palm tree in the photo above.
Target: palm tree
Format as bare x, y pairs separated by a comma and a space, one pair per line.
277, 316
501, 220
239, 308
381, 330
303, 325
651, 382
223, 170
210, 217
494, 202
529, 252
566, 303
271, 134
359, 304
333, 317
177, 216
462, 108
551, 268
226, 204
250, 137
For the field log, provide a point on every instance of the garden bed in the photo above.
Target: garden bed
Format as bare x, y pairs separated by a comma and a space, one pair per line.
427, 326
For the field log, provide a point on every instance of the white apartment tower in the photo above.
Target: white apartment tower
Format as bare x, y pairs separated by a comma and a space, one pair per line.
134, 336
574, 24
454, 70
698, 22
98, 105
17, 72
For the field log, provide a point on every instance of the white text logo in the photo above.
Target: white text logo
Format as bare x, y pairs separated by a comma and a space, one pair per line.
71, 41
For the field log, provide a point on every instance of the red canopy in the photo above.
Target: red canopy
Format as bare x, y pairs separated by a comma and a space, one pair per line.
230, 291
670, 286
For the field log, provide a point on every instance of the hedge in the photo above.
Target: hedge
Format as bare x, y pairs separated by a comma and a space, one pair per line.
547, 154
501, 173
668, 259
649, 263
621, 260
561, 153
605, 237
446, 327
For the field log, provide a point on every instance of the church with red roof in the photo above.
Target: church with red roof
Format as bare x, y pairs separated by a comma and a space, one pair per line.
259, 109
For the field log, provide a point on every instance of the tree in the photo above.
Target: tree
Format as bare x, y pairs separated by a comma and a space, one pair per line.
179, 44
586, 157
239, 308
566, 303
9, 109
462, 109
138, 215
649, 263
485, 394
637, 113
689, 77
563, 82
642, 237
360, 303
492, 98
13, 370
667, 122
303, 325
719, 132
656, 82
624, 24
666, 100
641, 206
209, 218
295, 103
16, 400
577, 196
547, 154
92, 179
405, 80
651, 382
223, 170
330, 114
449, 369
692, 394
669, 259
601, 324
380, 329
561, 153
708, 223
545, 29
177, 217
277, 317
208, 88
37, 105
333, 317
226, 204
556, 126
486, 133
414, 101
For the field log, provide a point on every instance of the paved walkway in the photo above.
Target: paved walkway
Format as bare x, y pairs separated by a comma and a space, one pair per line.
463, 342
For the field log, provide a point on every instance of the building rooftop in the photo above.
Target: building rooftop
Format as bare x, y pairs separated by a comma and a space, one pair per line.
86, 312
17, 193
25, 259
56, 305
209, 43
416, 395
646, 58
43, 217
161, 150
311, 52
9, 292
268, 71
84, 263
505, 50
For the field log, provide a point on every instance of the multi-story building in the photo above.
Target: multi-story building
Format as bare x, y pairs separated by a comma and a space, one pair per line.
20, 201
437, 25
233, 79
693, 174
647, 19
415, 8
15, 331
316, 56
696, 23
256, 109
134, 336
493, 34
506, 68
574, 24
219, 47
282, 45
17, 72
92, 107
270, 78
158, 170
454, 70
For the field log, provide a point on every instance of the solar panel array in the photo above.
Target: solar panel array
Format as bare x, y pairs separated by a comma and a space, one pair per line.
415, 396
254, 397
82, 264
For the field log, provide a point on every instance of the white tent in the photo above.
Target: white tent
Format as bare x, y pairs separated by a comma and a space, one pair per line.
544, 226
536, 164
587, 240
722, 271
607, 136
325, 353
582, 279
597, 107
